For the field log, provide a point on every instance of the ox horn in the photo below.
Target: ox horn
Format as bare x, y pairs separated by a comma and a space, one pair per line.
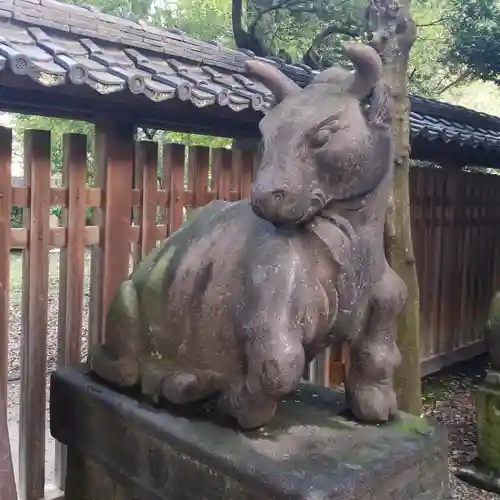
368, 66
279, 84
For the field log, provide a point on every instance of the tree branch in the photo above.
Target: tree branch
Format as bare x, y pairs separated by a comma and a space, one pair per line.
310, 57
463, 76
243, 39
261, 13
432, 23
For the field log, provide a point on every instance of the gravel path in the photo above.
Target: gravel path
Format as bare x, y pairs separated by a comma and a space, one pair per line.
448, 397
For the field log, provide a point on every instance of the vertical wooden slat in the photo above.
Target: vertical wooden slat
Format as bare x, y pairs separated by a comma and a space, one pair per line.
439, 205
237, 169
71, 266
247, 160
428, 213
7, 484
448, 262
417, 192
326, 367
34, 341
222, 159
5, 208
165, 185
199, 158
115, 163
173, 158
466, 253
147, 163
460, 222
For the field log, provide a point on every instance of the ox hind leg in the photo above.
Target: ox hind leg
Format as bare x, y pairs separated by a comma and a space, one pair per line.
375, 354
117, 360
275, 365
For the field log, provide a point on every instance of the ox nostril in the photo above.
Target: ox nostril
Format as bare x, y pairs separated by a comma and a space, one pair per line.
278, 195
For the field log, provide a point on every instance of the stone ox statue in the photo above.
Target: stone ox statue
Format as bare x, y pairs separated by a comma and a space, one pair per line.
234, 304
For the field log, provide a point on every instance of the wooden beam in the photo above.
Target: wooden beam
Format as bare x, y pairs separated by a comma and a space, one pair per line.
37, 160
71, 266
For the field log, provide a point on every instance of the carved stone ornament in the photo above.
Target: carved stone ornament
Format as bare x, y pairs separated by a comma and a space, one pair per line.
233, 305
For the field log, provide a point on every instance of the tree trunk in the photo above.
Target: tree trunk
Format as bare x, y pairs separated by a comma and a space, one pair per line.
395, 50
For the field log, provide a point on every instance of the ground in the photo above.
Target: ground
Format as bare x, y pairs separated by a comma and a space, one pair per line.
447, 396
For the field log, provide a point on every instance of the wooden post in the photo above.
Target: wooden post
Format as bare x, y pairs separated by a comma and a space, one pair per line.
110, 259
173, 158
7, 483
198, 159
222, 161
146, 175
5, 208
71, 266
37, 170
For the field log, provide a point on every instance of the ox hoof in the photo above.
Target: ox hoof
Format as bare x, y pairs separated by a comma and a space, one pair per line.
251, 412
373, 403
182, 388
123, 372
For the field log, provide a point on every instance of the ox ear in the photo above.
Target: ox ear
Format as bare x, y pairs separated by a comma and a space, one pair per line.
279, 84
368, 68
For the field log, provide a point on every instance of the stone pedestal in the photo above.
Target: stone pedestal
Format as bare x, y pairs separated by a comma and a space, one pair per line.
485, 470
122, 449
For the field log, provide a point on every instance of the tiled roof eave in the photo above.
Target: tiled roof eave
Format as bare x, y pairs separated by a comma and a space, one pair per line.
56, 44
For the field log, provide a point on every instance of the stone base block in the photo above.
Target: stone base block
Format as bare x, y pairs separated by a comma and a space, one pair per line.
488, 421
121, 448
484, 472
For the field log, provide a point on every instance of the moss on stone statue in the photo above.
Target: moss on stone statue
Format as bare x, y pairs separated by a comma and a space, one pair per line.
488, 426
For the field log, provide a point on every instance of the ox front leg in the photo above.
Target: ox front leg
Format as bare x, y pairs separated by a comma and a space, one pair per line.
275, 366
375, 354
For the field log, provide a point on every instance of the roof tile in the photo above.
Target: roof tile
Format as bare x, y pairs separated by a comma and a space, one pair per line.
56, 43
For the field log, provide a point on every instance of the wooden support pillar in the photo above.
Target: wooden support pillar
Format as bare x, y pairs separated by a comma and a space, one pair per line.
37, 171
146, 180
7, 483
111, 258
71, 266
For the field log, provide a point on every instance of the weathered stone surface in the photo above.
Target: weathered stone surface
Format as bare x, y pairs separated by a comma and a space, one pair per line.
120, 448
235, 303
484, 471
492, 332
488, 421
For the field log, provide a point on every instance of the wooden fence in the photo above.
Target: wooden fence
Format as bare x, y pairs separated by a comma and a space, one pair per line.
140, 196
456, 221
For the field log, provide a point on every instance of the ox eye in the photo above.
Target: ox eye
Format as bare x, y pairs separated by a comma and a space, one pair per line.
320, 139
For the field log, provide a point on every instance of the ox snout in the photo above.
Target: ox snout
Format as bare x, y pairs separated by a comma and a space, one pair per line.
282, 206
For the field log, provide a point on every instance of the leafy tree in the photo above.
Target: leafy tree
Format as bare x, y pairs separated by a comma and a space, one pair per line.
475, 29
312, 33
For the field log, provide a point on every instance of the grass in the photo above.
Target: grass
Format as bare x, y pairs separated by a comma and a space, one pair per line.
16, 274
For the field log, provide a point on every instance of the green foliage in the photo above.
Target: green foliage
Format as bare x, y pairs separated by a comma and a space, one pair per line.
57, 127
16, 217
202, 19
431, 73
475, 28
